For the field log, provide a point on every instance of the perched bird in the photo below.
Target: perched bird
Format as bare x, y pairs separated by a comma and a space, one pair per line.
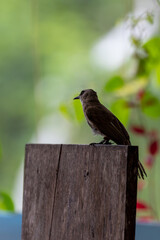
104, 122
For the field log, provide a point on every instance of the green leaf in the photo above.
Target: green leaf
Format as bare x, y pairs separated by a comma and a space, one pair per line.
152, 47
120, 110
132, 87
66, 111
72, 112
78, 110
6, 202
114, 83
150, 105
152, 62
158, 75
135, 41
150, 18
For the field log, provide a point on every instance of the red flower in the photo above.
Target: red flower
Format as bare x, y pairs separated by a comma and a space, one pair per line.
138, 130
142, 206
140, 94
153, 147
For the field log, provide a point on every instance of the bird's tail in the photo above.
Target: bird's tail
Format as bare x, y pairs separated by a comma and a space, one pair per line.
141, 170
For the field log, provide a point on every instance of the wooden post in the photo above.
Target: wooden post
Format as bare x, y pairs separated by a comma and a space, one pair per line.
79, 192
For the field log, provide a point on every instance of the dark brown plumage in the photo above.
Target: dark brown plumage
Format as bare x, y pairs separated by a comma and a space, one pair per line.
104, 122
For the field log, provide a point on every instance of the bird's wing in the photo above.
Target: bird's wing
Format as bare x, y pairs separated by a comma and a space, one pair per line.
108, 124
119, 125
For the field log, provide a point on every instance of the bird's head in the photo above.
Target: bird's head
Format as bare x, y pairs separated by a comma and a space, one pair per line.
87, 95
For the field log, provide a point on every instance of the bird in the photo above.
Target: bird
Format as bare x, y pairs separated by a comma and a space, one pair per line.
103, 122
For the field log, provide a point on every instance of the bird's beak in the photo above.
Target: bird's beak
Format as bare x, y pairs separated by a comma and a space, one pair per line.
76, 98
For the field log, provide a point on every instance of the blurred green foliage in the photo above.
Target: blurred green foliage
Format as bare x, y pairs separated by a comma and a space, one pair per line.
120, 109
6, 203
135, 100
46, 59
114, 83
151, 105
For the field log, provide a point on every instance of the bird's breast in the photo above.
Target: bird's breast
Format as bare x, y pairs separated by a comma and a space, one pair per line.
93, 127
90, 123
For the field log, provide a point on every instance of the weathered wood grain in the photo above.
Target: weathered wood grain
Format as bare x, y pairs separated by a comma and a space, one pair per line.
79, 192
41, 166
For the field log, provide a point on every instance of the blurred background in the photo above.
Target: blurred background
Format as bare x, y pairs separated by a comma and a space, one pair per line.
50, 51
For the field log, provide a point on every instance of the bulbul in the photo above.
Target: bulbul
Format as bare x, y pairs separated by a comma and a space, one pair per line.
105, 123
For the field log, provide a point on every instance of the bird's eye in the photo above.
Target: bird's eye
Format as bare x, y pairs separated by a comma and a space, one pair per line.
82, 93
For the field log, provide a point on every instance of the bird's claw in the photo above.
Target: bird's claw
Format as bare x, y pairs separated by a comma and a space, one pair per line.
105, 142
92, 144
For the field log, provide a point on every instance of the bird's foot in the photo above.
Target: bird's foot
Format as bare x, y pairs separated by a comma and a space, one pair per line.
104, 141
107, 142
101, 142
92, 144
